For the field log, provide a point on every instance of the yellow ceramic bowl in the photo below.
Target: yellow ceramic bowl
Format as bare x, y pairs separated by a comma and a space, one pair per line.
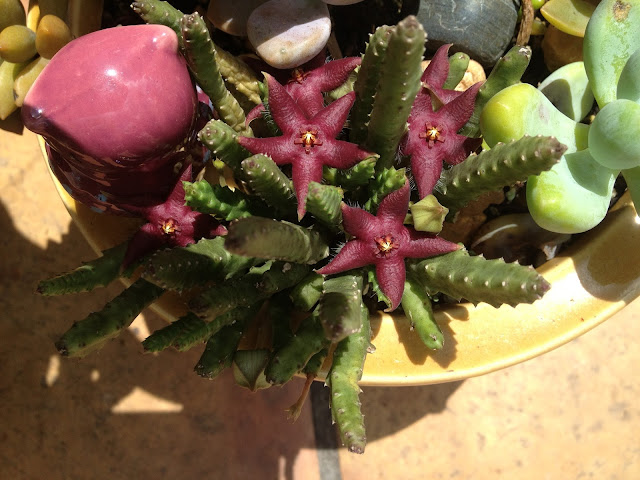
598, 276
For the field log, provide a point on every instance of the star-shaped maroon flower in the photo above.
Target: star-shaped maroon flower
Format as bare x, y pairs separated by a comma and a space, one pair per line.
306, 85
171, 224
306, 143
436, 116
383, 240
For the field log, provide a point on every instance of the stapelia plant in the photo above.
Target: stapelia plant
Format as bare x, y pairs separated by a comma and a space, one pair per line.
323, 227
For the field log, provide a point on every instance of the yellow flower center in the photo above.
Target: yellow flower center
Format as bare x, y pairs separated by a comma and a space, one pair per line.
386, 244
169, 226
308, 139
432, 134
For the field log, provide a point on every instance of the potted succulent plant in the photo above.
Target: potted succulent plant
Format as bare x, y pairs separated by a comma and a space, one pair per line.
279, 220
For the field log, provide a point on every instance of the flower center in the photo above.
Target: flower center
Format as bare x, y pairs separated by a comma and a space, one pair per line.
386, 244
432, 134
169, 227
308, 139
298, 75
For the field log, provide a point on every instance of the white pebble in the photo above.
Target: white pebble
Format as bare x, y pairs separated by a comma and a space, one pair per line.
231, 16
288, 33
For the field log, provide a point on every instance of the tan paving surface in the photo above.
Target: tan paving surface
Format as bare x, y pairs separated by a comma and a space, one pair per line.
570, 414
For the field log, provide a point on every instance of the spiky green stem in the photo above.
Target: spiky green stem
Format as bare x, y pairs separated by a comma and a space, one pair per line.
166, 336
375, 286
308, 292
95, 330
194, 265
308, 340
458, 63
199, 51
386, 181
507, 71
323, 202
358, 175
367, 83
160, 13
503, 165
417, 306
477, 279
221, 202
246, 290
218, 354
220, 138
95, 273
268, 182
343, 378
248, 368
339, 307
278, 240
398, 86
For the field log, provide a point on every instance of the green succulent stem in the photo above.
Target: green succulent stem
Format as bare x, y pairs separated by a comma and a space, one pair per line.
221, 202
503, 165
200, 51
476, 279
458, 64
417, 306
307, 293
99, 272
308, 340
277, 240
387, 180
339, 307
160, 13
220, 138
367, 83
349, 179
95, 330
194, 265
398, 86
343, 378
246, 290
219, 351
323, 202
166, 336
268, 182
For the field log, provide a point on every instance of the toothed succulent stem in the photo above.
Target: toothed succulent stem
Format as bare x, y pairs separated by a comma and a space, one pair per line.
160, 13
507, 71
458, 64
219, 352
294, 355
95, 330
194, 265
199, 51
343, 378
268, 182
367, 83
166, 336
96, 273
503, 165
417, 306
386, 181
349, 179
476, 279
398, 86
220, 138
276, 240
323, 202
215, 200
246, 290
308, 292
339, 307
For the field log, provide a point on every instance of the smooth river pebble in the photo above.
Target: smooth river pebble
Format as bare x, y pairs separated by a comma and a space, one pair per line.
288, 33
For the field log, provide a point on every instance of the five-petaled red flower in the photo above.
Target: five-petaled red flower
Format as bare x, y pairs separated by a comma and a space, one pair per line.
308, 144
433, 135
170, 224
384, 241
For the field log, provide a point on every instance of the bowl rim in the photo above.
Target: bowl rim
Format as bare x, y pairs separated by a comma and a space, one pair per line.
589, 283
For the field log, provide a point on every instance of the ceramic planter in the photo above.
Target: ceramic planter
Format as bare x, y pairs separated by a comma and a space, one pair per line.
597, 276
